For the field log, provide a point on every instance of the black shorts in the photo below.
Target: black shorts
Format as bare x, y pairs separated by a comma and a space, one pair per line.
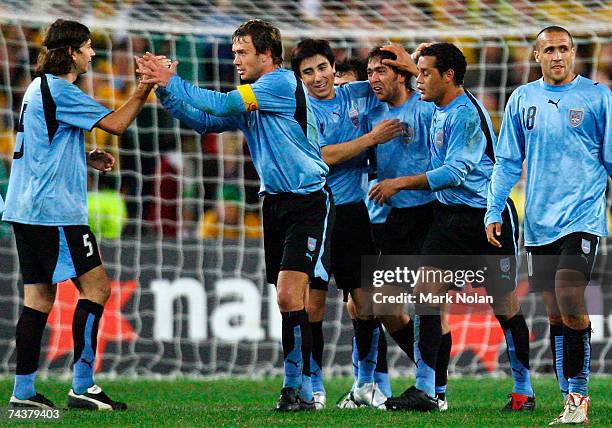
576, 251
297, 232
52, 254
406, 229
351, 238
378, 235
459, 231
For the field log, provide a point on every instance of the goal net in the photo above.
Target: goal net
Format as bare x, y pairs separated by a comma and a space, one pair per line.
178, 221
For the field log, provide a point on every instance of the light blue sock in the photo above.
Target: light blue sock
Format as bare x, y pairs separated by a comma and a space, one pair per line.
520, 373
384, 383
563, 383
83, 367
367, 365
316, 376
293, 363
580, 382
355, 358
441, 389
24, 386
425, 375
306, 388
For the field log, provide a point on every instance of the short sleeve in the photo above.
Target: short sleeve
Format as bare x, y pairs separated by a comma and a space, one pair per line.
76, 107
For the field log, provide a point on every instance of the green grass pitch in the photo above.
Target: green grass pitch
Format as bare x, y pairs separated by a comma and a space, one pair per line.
232, 402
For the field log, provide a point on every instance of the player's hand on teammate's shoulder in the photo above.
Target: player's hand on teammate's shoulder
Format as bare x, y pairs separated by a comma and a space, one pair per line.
386, 130
493, 230
155, 69
100, 160
383, 190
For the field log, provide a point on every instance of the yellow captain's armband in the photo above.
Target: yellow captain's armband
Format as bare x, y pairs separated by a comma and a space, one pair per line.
248, 97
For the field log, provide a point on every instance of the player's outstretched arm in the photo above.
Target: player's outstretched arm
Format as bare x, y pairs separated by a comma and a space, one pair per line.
384, 131
216, 103
385, 189
119, 120
195, 119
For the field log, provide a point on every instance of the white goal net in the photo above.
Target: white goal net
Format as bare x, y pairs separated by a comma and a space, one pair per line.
178, 220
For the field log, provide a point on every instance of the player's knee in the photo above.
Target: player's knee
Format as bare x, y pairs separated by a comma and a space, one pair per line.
350, 307
98, 292
576, 322
555, 319
571, 303
506, 306
40, 298
102, 293
357, 308
315, 310
106, 292
288, 301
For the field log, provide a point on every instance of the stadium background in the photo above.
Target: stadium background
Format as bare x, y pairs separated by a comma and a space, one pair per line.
178, 220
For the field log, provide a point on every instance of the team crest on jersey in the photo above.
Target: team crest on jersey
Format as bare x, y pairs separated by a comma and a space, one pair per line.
576, 116
586, 246
408, 134
439, 138
504, 264
354, 116
312, 243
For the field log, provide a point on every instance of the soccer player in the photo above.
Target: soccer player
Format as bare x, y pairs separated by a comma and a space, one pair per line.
341, 117
411, 210
46, 203
274, 113
350, 70
560, 125
462, 145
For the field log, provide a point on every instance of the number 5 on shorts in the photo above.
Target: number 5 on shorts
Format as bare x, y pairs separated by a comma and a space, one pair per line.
88, 244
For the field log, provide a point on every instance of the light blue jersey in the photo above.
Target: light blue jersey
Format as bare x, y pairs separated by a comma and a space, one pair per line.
378, 213
565, 135
462, 143
342, 119
276, 117
407, 154
48, 181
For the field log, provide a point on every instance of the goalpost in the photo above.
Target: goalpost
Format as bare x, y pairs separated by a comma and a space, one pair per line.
179, 224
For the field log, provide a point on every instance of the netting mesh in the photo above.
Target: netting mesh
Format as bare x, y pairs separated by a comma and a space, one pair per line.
179, 221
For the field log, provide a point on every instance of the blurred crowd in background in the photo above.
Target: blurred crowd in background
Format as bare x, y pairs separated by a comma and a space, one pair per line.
171, 182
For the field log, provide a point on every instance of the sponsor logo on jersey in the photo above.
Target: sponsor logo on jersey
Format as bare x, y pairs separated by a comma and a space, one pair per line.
354, 116
576, 116
408, 134
440, 138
